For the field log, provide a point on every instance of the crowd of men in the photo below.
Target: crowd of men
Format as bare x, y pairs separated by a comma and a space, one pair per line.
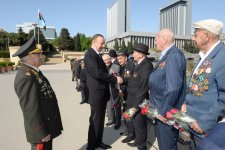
113, 82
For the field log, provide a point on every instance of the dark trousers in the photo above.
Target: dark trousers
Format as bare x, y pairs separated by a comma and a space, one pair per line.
130, 126
42, 146
140, 128
84, 92
96, 126
167, 136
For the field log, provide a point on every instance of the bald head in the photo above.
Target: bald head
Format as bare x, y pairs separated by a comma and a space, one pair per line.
164, 39
107, 59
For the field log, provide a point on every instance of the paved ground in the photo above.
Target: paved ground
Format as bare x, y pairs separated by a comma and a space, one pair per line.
74, 116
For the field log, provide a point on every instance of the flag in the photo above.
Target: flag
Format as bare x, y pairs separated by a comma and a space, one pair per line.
42, 19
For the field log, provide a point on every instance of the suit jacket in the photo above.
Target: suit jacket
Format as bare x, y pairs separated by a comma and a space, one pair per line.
167, 81
38, 103
98, 78
138, 84
114, 69
206, 107
215, 139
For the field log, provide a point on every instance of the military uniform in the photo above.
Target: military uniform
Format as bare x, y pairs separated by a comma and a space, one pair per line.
38, 103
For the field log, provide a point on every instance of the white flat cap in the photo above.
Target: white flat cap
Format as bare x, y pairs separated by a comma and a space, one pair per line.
210, 25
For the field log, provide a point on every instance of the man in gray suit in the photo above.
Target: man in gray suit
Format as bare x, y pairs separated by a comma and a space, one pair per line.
113, 105
206, 89
167, 86
73, 64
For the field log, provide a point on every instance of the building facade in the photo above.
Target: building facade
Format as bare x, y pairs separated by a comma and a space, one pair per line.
147, 38
177, 17
49, 33
118, 18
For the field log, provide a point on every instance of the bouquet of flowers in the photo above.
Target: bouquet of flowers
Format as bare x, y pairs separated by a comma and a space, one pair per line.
181, 121
180, 117
149, 109
129, 113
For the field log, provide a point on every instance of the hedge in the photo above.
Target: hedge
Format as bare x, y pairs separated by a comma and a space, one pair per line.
4, 54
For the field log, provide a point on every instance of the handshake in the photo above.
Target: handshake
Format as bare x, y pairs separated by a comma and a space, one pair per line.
119, 79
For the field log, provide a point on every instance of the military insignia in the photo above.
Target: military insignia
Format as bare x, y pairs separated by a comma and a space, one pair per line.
162, 64
199, 80
135, 74
28, 73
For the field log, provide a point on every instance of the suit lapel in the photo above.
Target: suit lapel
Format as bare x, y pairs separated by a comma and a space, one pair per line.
164, 58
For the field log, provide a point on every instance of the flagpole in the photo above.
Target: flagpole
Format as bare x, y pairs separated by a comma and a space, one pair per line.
38, 25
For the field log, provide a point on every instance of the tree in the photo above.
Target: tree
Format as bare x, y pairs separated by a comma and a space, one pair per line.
22, 36
129, 48
189, 47
116, 45
135, 43
123, 46
78, 43
85, 42
65, 41
3, 40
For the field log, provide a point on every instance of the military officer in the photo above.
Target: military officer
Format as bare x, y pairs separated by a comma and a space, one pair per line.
37, 99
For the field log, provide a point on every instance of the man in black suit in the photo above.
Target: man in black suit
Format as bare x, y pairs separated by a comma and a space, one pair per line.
97, 82
137, 93
113, 55
37, 99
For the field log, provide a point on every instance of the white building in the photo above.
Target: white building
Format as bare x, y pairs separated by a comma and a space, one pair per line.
177, 16
49, 33
118, 18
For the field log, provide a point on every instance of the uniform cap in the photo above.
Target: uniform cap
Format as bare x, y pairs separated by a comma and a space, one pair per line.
30, 47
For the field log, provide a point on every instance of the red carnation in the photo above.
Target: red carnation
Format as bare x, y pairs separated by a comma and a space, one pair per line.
174, 111
169, 115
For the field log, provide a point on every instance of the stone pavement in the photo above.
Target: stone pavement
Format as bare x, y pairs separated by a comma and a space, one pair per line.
74, 116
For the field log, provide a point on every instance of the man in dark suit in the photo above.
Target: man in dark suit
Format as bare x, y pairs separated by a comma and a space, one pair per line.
126, 71
98, 80
137, 93
167, 86
38, 101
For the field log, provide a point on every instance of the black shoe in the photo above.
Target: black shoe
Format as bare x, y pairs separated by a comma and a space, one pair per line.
82, 102
123, 133
109, 123
104, 146
127, 139
116, 127
132, 144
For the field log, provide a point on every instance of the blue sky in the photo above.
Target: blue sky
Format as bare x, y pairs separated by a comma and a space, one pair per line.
89, 16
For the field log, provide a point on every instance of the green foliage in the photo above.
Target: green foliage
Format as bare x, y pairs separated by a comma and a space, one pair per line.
116, 45
3, 64
78, 42
190, 66
135, 43
123, 46
65, 41
129, 48
3, 40
85, 42
4, 54
189, 47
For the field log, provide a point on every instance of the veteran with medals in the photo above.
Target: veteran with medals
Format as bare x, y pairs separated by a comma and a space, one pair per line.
206, 89
37, 99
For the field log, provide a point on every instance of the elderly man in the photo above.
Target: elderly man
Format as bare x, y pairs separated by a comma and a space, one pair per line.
137, 92
206, 89
113, 105
38, 101
167, 86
